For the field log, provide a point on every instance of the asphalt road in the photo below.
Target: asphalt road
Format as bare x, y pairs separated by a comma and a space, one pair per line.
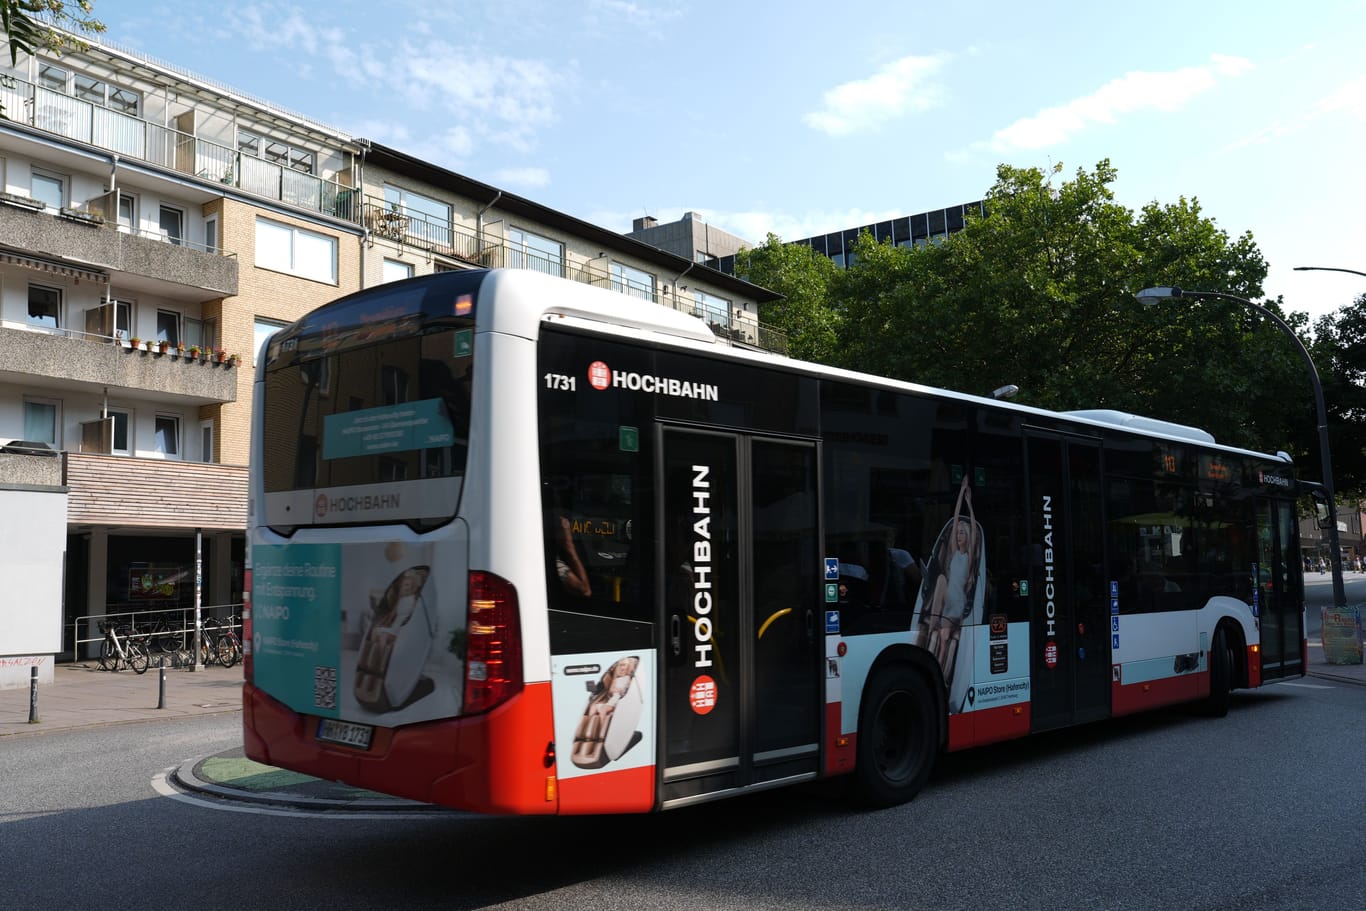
1259, 810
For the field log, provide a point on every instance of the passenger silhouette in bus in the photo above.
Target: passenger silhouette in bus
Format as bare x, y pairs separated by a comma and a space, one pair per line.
569, 566
949, 595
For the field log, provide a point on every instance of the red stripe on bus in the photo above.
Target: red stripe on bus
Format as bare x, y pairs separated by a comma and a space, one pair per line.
840, 755
490, 763
626, 791
1125, 699
971, 729
1254, 663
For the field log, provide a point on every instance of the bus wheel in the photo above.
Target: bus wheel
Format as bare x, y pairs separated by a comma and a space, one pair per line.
1220, 676
898, 738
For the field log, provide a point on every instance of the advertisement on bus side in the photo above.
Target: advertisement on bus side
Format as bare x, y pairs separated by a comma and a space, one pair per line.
604, 712
361, 632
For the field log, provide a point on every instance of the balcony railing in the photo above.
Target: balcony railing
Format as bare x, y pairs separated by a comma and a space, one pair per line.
133, 137
422, 231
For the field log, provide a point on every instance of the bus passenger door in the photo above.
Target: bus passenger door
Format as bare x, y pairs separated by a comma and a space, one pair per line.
1070, 630
740, 573
1279, 603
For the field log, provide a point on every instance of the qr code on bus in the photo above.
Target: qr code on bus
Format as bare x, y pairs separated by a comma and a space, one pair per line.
325, 687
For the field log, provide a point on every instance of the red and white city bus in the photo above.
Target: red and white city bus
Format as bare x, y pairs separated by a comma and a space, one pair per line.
521, 545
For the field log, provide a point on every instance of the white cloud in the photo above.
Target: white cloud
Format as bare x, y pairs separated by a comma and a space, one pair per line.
901, 87
530, 178
1136, 91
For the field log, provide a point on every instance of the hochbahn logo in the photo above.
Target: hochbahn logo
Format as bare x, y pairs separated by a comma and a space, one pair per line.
601, 377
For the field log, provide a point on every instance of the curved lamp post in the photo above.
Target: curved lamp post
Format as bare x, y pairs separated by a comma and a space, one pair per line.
1153, 295
1326, 269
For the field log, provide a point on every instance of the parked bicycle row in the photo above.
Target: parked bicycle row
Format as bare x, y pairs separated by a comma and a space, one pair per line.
158, 643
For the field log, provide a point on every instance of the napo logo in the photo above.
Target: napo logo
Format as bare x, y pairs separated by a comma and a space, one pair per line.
599, 375
320, 506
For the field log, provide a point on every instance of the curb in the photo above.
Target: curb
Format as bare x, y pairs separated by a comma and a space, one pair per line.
188, 777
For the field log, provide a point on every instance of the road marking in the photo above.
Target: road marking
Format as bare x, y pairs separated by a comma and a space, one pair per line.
1307, 686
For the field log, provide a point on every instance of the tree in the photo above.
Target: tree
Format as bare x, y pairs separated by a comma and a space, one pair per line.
1038, 293
35, 24
1339, 350
803, 277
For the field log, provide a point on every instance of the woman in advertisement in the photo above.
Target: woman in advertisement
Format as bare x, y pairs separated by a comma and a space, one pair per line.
952, 592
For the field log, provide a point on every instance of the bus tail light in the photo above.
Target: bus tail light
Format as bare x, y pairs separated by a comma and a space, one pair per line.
248, 661
493, 644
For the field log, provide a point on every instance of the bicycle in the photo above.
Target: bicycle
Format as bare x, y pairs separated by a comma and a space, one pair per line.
218, 643
129, 651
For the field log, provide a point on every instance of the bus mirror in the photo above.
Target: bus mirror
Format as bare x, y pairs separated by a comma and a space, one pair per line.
1321, 517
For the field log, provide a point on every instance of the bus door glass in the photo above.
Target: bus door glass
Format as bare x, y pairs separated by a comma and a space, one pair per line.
1279, 605
1071, 638
740, 573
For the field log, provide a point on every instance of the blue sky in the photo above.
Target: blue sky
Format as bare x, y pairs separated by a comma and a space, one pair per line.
799, 117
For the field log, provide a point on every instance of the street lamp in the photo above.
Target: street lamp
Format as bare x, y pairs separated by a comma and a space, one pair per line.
1153, 295
1326, 269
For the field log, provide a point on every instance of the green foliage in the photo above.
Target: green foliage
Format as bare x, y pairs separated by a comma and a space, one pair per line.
803, 277
1039, 293
1339, 349
32, 24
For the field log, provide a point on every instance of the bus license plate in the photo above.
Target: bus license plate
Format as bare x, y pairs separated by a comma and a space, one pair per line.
345, 733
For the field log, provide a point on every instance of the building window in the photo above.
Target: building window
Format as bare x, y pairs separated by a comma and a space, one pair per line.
168, 436
48, 189
52, 77
211, 234
532, 251
633, 282
276, 151
264, 329
283, 248
168, 327
206, 441
711, 308
396, 271
123, 433
128, 212
173, 224
428, 219
43, 422
44, 307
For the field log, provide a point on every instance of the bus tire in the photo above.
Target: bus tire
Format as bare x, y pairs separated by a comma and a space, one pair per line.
1220, 676
898, 737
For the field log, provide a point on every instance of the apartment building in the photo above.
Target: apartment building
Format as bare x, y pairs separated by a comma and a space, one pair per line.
139, 201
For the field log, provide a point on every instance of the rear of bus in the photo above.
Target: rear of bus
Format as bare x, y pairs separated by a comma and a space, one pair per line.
385, 645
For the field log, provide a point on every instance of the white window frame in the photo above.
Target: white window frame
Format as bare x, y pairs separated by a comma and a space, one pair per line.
633, 282
130, 225
56, 406
178, 442
179, 237
175, 336
535, 252
128, 416
211, 241
278, 248
395, 270
262, 330
59, 179
428, 217
61, 300
206, 441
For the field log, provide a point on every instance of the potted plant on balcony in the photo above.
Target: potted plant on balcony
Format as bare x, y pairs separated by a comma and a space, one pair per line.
151, 345
135, 343
180, 349
194, 352
163, 346
219, 355
234, 360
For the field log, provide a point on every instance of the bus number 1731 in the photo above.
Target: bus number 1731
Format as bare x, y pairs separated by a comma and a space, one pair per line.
559, 381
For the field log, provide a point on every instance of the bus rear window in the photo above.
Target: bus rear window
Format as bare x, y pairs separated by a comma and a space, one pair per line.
391, 418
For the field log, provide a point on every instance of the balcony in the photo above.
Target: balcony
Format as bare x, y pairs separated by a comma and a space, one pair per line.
414, 229
154, 143
64, 358
86, 238
152, 493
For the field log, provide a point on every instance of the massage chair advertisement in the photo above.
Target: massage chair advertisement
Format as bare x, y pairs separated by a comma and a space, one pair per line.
367, 632
604, 715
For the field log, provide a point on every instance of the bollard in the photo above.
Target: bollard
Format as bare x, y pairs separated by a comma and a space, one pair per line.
33, 695
161, 686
